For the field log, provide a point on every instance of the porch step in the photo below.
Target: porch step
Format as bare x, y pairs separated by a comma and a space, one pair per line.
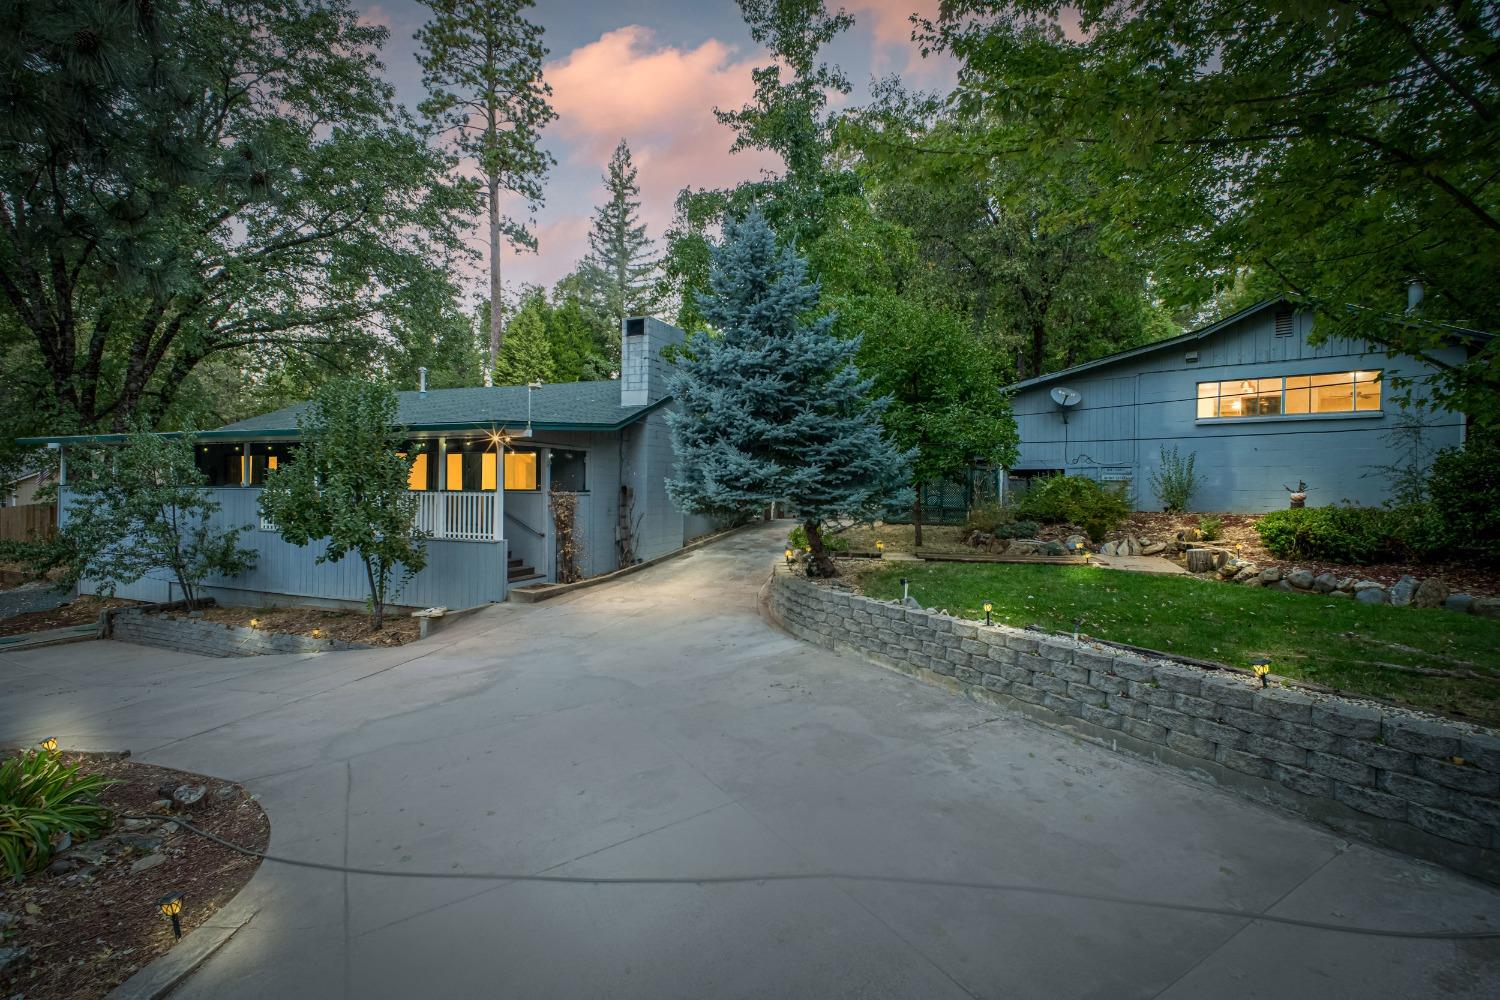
516, 571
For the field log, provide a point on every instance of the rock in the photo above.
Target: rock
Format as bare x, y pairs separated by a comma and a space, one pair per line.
1403, 590
1155, 548
165, 791
1271, 574
1325, 583
10, 957
168, 829
61, 866
1300, 578
1108, 548
137, 824
1255, 581
1246, 573
1430, 593
188, 796
1076, 543
1365, 585
138, 841
224, 791
1347, 583
1341, 593
1190, 535
1283, 585
1370, 595
161, 805
1462, 603
147, 863
1053, 549
1486, 607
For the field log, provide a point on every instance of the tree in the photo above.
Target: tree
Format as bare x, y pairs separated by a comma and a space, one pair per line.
582, 341
195, 180
526, 356
482, 67
946, 405
771, 405
347, 486
622, 266
1334, 150
144, 507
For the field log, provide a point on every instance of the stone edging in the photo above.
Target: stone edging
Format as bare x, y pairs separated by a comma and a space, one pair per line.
194, 635
161, 976
1384, 774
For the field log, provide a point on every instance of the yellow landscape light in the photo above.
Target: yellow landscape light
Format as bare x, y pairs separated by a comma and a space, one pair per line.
170, 906
317, 633
788, 557
49, 744
988, 607
880, 546
1262, 668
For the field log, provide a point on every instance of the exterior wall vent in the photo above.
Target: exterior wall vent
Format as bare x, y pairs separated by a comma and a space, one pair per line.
635, 327
1191, 357
1284, 323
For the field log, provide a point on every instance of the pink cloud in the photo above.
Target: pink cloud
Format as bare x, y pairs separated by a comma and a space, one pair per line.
890, 20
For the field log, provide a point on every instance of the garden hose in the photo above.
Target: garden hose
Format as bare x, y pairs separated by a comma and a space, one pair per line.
838, 876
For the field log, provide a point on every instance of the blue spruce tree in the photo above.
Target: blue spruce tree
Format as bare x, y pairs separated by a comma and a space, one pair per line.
770, 404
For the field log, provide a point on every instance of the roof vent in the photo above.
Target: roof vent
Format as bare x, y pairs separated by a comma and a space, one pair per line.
1284, 323
422, 380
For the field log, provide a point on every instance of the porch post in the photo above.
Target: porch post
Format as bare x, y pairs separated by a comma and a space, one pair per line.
499, 500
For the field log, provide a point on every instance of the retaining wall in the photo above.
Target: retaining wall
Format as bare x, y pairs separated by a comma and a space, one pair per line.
193, 635
1427, 787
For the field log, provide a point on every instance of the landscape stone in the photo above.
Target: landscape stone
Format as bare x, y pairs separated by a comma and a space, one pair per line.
1271, 574
1155, 548
1462, 603
1300, 578
1108, 548
147, 863
1366, 585
1431, 593
1325, 583
1076, 543
1403, 590
1486, 607
1370, 595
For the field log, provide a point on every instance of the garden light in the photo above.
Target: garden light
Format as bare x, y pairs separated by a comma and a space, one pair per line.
170, 905
49, 744
1262, 667
905, 589
788, 557
255, 623
988, 607
880, 546
317, 633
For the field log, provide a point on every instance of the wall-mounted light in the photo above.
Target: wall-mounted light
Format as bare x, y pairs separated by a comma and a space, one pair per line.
170, 906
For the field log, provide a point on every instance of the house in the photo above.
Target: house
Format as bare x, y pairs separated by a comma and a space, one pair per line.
486, 459
1260, 407
22, 490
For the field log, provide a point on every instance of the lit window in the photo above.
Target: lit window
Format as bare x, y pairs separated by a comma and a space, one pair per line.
1335, 392
487, 471
568, 471
455, 470
417, 478
520, 470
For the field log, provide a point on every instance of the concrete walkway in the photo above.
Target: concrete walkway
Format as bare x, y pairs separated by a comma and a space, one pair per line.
657, 726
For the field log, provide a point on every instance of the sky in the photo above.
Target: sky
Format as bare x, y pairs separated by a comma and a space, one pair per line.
651, 72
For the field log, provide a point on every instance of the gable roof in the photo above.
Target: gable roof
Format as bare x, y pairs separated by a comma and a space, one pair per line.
563, 406
1187, 338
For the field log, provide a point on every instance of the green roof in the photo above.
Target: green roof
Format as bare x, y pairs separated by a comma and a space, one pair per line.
564, 406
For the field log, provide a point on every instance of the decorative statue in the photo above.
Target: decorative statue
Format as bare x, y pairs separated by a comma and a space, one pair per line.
1299, 495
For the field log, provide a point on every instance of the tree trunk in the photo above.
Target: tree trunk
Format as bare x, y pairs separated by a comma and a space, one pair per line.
495, 327
377, 604
822, 562
916, 518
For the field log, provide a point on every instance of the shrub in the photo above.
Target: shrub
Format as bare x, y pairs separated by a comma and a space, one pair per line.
989, 518
1337, 534
1076, 500
1174, 482
1465, 499
42, 798
1210, 527
832, 542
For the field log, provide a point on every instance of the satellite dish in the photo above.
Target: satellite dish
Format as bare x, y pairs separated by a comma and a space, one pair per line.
1066, 398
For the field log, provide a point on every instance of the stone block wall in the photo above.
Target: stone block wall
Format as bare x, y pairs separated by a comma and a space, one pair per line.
193, 635
1428, 787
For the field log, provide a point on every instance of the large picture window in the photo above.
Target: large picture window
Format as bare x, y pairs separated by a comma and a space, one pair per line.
568, 471
1294, 395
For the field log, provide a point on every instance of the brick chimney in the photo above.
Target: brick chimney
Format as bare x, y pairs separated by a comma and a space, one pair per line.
643, 371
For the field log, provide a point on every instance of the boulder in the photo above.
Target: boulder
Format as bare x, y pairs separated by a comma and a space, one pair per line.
1271, 574
1486, 607
1154, 549
1403, 590
1371, 595
1254, 581
1346, 583
147, 863
1341, 593
1300, 578
188, 796
1246, 573
1108, 548
1024, 547
1325, 583
1054, 548
1365, 585
1129, 546
1076, 543
1283, 585
1462, 603
1430, 593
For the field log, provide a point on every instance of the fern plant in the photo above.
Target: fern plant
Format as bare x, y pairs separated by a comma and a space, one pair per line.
42, 798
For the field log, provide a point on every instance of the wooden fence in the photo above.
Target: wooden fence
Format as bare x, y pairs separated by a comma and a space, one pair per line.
33, 520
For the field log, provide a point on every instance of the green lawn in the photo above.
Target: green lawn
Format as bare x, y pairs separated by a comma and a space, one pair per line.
1331, 641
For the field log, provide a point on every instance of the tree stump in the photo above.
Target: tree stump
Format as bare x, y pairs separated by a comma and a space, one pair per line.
1200, 560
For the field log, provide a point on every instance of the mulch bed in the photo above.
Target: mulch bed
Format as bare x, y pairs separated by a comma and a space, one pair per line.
90, 920
80, 611
348, 626
1239, 529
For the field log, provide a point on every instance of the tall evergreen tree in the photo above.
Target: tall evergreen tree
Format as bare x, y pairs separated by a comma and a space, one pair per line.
482, 66
526, 357
622, 265
771, 406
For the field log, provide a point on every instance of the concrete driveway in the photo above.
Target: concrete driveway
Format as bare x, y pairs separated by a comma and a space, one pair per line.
657, 726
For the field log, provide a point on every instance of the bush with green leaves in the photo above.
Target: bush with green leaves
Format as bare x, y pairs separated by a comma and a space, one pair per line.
1174, 481
988, 517
1094, 507
831, 541
1357, 535
1464, 491
41, 798
144, 507
1210, 526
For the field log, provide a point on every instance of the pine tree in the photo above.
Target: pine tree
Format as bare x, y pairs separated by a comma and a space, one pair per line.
482, 67
526, 356
622, 264
771, 406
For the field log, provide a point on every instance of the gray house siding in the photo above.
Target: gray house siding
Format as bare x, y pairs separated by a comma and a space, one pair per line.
1132, 408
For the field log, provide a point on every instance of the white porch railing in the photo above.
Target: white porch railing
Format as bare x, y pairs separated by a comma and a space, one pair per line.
456, 515
448, 514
